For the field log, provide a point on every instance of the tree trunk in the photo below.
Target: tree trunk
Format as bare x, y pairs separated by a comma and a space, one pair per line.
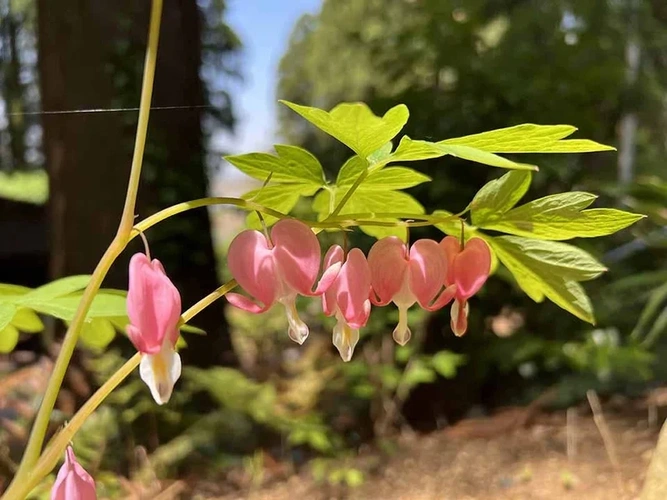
91, 56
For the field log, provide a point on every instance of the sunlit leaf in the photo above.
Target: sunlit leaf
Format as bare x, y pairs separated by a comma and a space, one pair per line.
499, 196
529, 138
280, 197
292, 165
551, 269
27, 320
7, 312
9, 337
355, 125
97, 334
561, 217
480, 156
446, 363
58, 288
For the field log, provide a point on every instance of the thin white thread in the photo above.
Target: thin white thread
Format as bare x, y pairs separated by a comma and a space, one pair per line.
104, 110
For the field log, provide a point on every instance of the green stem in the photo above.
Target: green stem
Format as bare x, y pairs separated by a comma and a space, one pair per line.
341, 221
349, 193
56, 448
39, 429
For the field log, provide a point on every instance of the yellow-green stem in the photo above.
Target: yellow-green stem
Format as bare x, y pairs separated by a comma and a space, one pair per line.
38, 432
56, 448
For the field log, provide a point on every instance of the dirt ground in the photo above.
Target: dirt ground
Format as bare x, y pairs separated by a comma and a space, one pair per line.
495, 458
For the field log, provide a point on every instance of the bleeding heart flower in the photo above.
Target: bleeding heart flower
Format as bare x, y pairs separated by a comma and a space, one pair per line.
408, 277
278, 270
347, 298
154, 308
468, 267
73, 482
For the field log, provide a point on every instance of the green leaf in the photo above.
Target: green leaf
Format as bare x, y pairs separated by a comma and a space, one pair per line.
27, 321
550, 269
350, 171
8, 289
412, 150
418, 373
561, 217
499, 196
9, 337
280, 197
58, 288
529, 138
97, 334
447, 362
355, 125
380, 154
368, 202
192, 329
484, 157
392, 178
292, 165
105, 304
7, 312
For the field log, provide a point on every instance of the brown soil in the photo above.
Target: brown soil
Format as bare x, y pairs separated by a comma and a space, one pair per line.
487, 459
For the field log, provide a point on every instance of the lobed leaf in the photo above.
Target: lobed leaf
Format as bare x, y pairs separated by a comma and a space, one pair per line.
550, 269
58, 288
355, 125
498, 196
27, 320
486, 158
292, 165
529, 138
561, 217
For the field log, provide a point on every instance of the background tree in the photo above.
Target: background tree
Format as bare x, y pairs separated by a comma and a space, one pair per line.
92, 59
465, 67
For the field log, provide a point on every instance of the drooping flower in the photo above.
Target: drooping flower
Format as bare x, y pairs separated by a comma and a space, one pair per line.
406, 277
154, 308
347, 297
277, 270
468, 267
73, 482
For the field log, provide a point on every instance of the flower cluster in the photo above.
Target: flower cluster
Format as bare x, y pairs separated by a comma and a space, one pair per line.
280, 266
277, 268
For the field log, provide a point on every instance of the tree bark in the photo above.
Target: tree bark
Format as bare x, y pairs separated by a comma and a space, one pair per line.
91, 56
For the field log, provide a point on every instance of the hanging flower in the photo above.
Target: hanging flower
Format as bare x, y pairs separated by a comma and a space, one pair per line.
73, 482
468, 267
408, 277
347, 297
277, 270
154, 308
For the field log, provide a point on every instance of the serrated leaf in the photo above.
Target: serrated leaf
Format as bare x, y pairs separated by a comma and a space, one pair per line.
550, 269
292, 165
484, 157
498, 196
529, 138
9, 337
561, 225
97, 334
7, 312
58, 288
355, 125
27, 320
